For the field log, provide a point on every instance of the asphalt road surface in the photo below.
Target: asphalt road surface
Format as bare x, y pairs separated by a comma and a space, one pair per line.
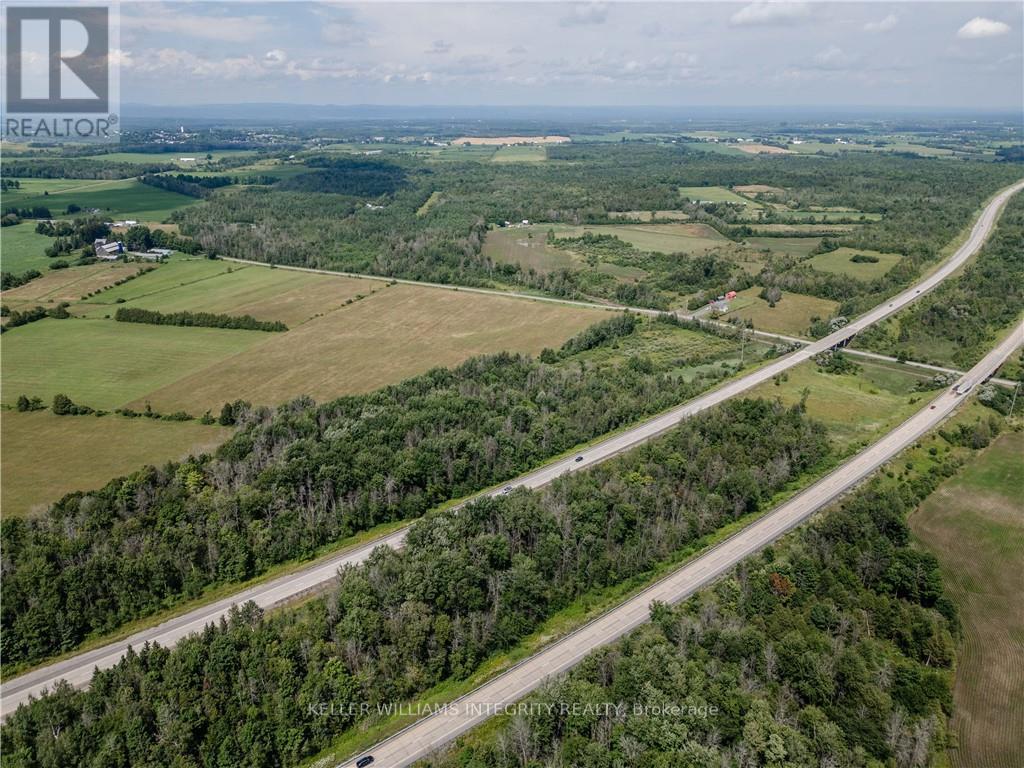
431, 733
77, 670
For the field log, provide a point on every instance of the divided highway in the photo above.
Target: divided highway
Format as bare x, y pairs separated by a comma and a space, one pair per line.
431, 733
78, 669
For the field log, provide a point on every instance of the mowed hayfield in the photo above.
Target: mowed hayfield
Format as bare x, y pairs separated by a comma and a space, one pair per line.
113, 198
857, 408
649, 215
22, 249
716, 195
528, 153
398, 332
840, 262
791, 246
660, 238
47, 456
791, 315
974, 524
70, 284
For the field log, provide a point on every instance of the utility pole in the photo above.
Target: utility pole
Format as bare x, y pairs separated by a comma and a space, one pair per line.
1013, 402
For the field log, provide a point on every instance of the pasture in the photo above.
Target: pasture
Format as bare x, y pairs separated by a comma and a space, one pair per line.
840, 262
716, 195
527, 153
660, 238
973, 524
396, 333
113, 198
528, 247
791, 246
791, 315
46, 456
647, 216
22, 249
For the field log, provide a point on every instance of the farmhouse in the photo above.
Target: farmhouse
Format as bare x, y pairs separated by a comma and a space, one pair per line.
107, 250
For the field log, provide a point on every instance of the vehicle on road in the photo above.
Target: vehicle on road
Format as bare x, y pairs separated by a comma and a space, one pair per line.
579, 458
963, 387
362, 762
507, 489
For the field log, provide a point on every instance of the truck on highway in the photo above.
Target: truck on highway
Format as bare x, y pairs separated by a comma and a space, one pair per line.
963, 388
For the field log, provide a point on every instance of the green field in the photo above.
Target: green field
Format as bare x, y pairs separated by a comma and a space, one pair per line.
716, 195
791, 246
973, 524
143, 158
114, 198
661, 238
649, 215
791, 315
22, 249
516, 153
839, 262
106, 364
70, 284
46, 456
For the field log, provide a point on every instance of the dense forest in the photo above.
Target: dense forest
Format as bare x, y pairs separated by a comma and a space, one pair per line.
833, 648
955, 323
468, 582
305, 475
323, 218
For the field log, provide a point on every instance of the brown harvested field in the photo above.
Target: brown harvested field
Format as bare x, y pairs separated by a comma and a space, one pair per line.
47, 456
974, 524
497, 141
761, 149
396, 333
70, 284
753, 189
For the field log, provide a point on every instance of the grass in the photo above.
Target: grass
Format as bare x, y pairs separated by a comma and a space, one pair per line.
434, 199
647, 216
791, 315
530, 153
716, 195
106, 364
514, 245
840, 262
661, 238
857, 408
791, 246
174, 157
22, 249
225, 288
57, 285
972, 522
47, 456
114, 198
398, 332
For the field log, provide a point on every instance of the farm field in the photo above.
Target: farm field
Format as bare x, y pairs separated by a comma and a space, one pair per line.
398, 332
791, 315
649, 215
174, 157
514, 245
57, 285
839, 262
529, 153
761, 149
716, 195
114, 198
792, 246
754, 189
22, 249
105, 364
973, 524
662, 238
497, 141
46, 456
200, 285
857, 408
797, 229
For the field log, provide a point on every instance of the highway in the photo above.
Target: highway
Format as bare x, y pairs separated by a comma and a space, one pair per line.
77, 670
431, 733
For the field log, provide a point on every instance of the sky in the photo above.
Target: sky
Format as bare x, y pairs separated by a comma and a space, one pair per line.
963, 55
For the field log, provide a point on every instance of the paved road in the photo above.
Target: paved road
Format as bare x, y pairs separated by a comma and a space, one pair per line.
431, 733
78, 670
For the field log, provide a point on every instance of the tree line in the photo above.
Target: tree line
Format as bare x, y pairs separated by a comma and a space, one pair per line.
197, 319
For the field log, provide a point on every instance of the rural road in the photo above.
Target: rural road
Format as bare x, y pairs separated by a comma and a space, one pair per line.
77, 670
423, 737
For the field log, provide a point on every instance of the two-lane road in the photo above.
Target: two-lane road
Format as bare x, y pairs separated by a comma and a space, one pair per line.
78, 669
431, 733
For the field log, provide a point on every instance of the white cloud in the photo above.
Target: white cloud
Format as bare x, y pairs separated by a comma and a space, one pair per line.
979, 27
579, 15
227, 29
440, 47
766, 12
274, 58
886, 24
833, 58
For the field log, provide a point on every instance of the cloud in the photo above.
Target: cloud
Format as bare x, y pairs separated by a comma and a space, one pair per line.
275, 57
651, 29
440, 47
580, 15
227, 29
886, 24
834, 58
767, 12
516, 50
980, 27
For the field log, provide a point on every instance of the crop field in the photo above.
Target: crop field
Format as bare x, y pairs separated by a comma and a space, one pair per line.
57, 285
857, 408
973, 524
114, 198
716, 195
106, 364
221, 287
22, 249
754, 189
529, 153
839, 262
649, 215
46, 456
791, 315
798, 229
662, 238
497, 141
174, 157
761, 149
396, 333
